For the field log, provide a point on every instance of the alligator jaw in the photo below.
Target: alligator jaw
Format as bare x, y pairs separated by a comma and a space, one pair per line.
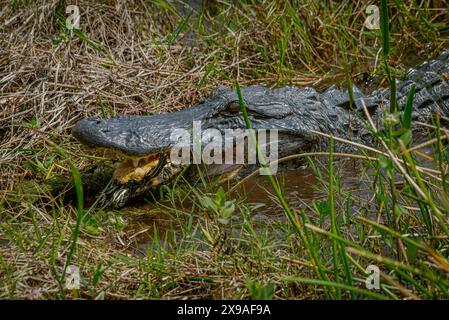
142, 144
138, 168
134, 176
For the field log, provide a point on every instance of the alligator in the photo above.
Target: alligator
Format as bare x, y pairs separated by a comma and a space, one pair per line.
297, 114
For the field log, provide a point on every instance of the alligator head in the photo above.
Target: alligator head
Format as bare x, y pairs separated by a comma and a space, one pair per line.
145, 142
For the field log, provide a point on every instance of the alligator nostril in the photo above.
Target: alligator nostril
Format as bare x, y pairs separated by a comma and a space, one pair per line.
98, 122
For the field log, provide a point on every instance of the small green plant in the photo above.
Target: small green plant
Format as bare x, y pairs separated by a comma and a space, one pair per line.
258, 291
223, 209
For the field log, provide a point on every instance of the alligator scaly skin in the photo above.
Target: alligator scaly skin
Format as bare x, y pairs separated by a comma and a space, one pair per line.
295, 112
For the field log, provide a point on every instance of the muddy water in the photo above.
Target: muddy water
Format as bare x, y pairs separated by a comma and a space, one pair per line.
301, 187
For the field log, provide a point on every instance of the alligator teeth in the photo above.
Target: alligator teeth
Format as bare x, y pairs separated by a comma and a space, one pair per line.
135, 168
140, 171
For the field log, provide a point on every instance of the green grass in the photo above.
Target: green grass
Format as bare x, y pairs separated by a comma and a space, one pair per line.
206, 241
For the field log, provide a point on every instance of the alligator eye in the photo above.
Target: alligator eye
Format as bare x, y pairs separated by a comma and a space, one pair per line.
233, 107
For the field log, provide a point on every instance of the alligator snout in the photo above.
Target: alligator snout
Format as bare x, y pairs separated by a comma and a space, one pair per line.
87, 131
133, 136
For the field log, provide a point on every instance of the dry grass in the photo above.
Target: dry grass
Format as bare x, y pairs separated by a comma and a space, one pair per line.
47, 87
